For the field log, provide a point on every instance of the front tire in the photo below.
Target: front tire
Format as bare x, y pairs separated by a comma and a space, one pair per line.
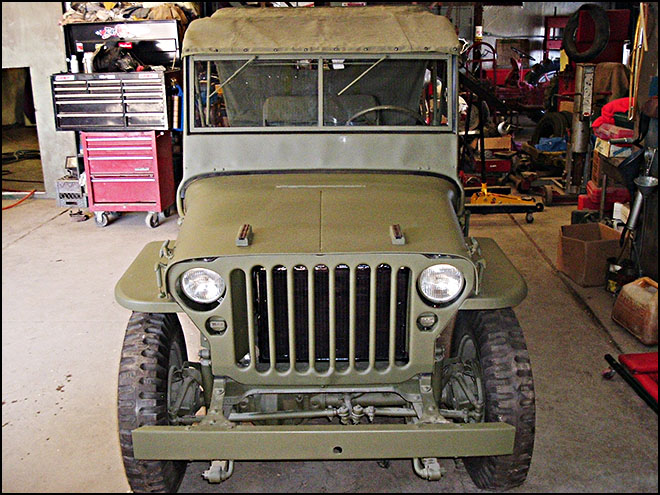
495, 339
153, 344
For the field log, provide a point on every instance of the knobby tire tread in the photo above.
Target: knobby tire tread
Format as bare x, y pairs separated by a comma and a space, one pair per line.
509, 393
142, 396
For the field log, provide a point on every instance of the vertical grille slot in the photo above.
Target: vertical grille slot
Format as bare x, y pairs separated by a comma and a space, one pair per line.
321, 313
401, 334
239, 311
327, 317
383, 288
342, 276
362, 287
280, 315
260, 319
301, 316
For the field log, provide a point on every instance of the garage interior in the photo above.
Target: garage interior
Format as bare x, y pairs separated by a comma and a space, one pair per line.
62, 255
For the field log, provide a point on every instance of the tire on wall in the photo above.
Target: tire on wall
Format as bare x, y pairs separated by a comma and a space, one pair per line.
494, 338
153, 343
601, 38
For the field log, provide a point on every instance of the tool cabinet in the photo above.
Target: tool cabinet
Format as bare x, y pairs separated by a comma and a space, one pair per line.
129, 171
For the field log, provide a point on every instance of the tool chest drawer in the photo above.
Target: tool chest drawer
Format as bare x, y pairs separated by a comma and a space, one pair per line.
121, 153
125, 190
129, 171
112, 100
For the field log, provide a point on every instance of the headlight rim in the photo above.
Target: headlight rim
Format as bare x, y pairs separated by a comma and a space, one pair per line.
206, 304
446, 302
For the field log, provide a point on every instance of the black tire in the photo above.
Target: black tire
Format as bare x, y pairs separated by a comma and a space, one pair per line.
536, 115
552, 124
500, 348
568, 118
601, 38
152, 342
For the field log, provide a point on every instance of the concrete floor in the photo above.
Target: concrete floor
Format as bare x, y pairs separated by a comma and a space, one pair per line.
62, 333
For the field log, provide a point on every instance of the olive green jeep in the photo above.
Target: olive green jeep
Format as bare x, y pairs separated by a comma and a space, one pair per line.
344, 311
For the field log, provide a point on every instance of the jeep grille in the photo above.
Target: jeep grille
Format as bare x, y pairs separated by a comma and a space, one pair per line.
357, 318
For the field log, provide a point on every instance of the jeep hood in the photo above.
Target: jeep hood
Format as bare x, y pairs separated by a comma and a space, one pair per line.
319, 213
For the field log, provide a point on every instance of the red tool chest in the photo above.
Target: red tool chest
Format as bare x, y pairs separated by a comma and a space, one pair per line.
129, 171
495, 166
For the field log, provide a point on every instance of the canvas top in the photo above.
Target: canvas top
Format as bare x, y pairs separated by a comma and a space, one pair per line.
350, 30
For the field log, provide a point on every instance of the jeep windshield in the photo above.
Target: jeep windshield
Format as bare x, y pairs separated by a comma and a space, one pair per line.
352, 92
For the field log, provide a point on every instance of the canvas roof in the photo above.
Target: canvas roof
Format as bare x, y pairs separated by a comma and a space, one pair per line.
377, 29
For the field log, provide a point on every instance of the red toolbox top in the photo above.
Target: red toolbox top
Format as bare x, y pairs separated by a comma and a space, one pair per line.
610, 131
613, 194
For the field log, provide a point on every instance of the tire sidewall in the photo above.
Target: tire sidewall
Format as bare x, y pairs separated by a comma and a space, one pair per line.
508, 390
147, 337
601, 38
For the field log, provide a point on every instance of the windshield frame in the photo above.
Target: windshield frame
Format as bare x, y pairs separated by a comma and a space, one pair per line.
452, 96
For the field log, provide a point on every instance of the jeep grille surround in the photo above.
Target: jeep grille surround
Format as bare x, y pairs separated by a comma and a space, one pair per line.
276, 359
290, 328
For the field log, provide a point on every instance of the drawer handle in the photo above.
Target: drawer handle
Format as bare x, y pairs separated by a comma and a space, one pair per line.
121, 148
107, 114
105, 158
87, 102
91, 139
123, 179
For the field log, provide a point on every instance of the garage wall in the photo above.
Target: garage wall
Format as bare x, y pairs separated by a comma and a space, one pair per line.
526, 21
33, 38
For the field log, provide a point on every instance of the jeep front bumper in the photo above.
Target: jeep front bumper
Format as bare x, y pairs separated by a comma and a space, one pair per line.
322, 442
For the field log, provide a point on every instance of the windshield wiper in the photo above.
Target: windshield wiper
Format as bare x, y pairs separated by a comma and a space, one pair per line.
362, 75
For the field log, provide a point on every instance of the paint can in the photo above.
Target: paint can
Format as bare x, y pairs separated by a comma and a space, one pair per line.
619, 273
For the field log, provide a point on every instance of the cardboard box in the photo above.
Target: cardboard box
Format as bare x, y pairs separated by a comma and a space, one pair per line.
565, 106
502, 143
583, 252
610, 150
504, 53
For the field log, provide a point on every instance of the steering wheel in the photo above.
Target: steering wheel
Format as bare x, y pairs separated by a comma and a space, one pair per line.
483, 64
392, 108
522, 54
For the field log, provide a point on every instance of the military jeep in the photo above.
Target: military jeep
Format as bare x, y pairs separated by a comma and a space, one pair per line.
324, 255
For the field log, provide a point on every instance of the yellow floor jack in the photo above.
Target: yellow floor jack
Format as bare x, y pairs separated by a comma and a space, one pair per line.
486, 202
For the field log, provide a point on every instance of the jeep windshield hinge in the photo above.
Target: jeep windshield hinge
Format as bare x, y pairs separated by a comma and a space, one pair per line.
160, 282
477, 257
166, 251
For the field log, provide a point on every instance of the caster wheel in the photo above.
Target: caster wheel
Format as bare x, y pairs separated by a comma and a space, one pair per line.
152, 220
168, 211
101, 218
529, 218
179, 221
547, 195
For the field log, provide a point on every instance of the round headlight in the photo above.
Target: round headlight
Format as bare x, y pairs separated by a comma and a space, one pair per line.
202, 285
441, 283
